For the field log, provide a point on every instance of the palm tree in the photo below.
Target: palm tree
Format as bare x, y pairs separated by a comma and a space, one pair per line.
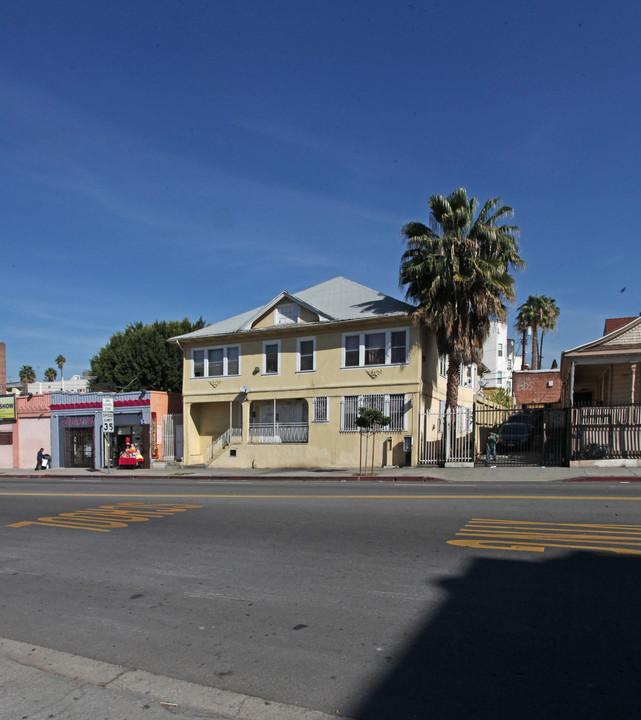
27, 375
457, 271
50, 374
60, 361
525, 319
549, 319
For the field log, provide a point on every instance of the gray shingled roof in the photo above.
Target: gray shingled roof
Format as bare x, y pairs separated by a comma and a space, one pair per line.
340, 299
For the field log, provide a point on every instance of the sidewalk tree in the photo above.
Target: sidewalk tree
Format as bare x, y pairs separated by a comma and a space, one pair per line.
369, 420
140, 358
50, 374
457, 271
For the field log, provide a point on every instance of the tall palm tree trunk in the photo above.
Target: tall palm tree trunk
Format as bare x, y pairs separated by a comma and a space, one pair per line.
451, 403
535, 347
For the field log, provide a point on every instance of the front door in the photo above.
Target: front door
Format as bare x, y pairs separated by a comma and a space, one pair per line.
79, 447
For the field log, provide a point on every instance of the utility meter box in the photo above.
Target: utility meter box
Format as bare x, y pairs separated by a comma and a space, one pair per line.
407, 443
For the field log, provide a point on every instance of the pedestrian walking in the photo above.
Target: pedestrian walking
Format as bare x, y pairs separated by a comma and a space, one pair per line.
490, 450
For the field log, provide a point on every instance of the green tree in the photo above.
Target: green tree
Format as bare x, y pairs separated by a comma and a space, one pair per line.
457, 271
140, 358
60, 361
500, 396
369, 420
50, 374
27, 375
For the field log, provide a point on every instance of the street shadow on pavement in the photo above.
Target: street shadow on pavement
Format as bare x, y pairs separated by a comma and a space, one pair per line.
558, 638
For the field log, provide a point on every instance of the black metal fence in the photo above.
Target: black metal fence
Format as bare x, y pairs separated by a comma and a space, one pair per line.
536, 436
610, 432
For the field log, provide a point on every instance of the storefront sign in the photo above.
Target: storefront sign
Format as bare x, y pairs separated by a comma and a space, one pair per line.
154, 436
7, 407
79, 421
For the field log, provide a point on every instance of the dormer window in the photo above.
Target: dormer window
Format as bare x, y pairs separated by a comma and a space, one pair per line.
287, 313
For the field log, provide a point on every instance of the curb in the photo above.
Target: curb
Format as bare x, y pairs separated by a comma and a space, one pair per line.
168, 692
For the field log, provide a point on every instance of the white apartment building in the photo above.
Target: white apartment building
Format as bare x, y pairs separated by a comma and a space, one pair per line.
498, 358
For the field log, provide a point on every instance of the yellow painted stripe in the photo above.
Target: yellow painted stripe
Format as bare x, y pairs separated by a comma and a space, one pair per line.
234, 496
487, 521
535, 547
609, 539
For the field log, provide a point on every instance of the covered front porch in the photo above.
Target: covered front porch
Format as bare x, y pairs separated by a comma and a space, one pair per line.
279, 421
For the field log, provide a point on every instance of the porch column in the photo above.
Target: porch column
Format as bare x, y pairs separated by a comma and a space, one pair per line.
633, 368
244, 424
572, 383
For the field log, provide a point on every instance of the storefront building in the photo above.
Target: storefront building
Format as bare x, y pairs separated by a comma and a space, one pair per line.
8, 418
78, 439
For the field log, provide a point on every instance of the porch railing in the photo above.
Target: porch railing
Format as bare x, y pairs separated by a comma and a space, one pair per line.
608, 432
222, 441
278, 432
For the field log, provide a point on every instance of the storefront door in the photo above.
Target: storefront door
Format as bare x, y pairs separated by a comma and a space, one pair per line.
79, 447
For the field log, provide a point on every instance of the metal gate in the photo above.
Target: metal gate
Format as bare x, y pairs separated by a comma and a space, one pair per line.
533, 436
537, 437
447, 437
79, 447
172, 437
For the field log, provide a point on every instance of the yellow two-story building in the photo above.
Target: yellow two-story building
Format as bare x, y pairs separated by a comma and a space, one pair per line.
280, 386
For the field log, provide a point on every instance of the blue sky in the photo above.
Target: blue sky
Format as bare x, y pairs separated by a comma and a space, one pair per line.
162, 160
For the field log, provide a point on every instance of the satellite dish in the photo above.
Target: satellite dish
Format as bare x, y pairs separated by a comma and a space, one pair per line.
244, 389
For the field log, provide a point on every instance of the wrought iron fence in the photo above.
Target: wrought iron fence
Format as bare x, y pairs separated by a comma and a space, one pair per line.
446, 437
278, 432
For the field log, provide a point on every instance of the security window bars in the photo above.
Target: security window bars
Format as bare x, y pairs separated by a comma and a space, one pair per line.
321, 410
394, 406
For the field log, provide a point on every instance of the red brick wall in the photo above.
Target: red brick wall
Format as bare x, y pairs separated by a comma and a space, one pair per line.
531, 387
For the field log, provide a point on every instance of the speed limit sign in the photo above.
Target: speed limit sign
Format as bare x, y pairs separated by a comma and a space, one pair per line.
108, 424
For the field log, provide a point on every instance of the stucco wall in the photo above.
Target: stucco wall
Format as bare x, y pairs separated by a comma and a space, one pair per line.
6, 451
35, 433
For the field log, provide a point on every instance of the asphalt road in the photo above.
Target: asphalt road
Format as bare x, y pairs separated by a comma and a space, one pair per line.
370, 601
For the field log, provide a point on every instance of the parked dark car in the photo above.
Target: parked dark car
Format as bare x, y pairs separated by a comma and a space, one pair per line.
513, 435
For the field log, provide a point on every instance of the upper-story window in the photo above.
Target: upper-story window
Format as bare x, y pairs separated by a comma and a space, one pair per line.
500, 349
467, 376
306, 355
287, 313
216, 362
442, 365
271, 357
388, 347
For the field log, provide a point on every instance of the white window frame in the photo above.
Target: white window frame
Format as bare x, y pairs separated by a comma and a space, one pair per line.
287, 318
388, 348
500, 350
442, 365
383, 401
265, 344
320, 411
299, 342
205, 351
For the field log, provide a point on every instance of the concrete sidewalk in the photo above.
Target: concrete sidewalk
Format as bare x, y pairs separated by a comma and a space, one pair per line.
405, 474
39, 683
